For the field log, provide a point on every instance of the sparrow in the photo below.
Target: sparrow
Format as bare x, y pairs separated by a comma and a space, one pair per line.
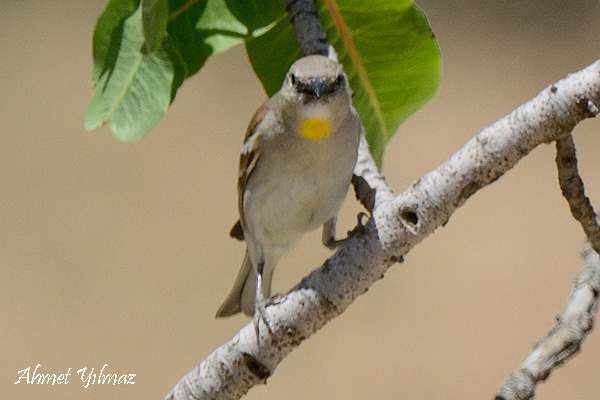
295, 169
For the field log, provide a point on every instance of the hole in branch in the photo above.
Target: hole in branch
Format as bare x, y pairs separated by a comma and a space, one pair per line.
409, 216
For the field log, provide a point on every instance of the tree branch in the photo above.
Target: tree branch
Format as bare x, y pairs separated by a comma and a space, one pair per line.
572, 188
396, 226
308, 27
565, 339
369, 184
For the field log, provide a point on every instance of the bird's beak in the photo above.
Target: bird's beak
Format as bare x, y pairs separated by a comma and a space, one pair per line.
317, 87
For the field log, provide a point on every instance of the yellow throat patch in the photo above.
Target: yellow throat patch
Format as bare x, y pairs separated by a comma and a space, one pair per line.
315, 129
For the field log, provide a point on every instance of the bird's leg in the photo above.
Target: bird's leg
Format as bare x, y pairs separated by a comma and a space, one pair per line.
260, 303
328, 237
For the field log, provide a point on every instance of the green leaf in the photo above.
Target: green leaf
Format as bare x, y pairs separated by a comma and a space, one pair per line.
139, 62
272, 54
109, 23
155, 15
388, 51
200, 29
133, 88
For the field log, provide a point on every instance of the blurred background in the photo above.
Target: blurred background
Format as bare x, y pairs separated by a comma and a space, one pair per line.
119, 254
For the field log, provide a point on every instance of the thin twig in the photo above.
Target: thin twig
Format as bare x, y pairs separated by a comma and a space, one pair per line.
369, 184
565, 339
572, 188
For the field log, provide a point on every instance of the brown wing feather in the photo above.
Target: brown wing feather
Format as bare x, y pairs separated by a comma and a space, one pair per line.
248, 160
237, 232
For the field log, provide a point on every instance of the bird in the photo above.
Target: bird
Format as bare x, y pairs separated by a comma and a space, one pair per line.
296, 165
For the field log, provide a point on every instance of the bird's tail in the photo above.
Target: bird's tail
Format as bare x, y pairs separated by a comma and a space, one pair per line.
242, 295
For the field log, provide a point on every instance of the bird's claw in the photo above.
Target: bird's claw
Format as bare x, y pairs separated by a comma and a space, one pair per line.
260, 313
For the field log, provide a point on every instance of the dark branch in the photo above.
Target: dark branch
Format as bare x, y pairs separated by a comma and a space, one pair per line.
308, 27
572, 188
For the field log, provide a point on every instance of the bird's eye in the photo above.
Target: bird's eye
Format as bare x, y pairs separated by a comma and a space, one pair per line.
292, 79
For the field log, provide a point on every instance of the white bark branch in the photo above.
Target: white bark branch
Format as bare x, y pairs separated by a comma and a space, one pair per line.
565, 339
397, 224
